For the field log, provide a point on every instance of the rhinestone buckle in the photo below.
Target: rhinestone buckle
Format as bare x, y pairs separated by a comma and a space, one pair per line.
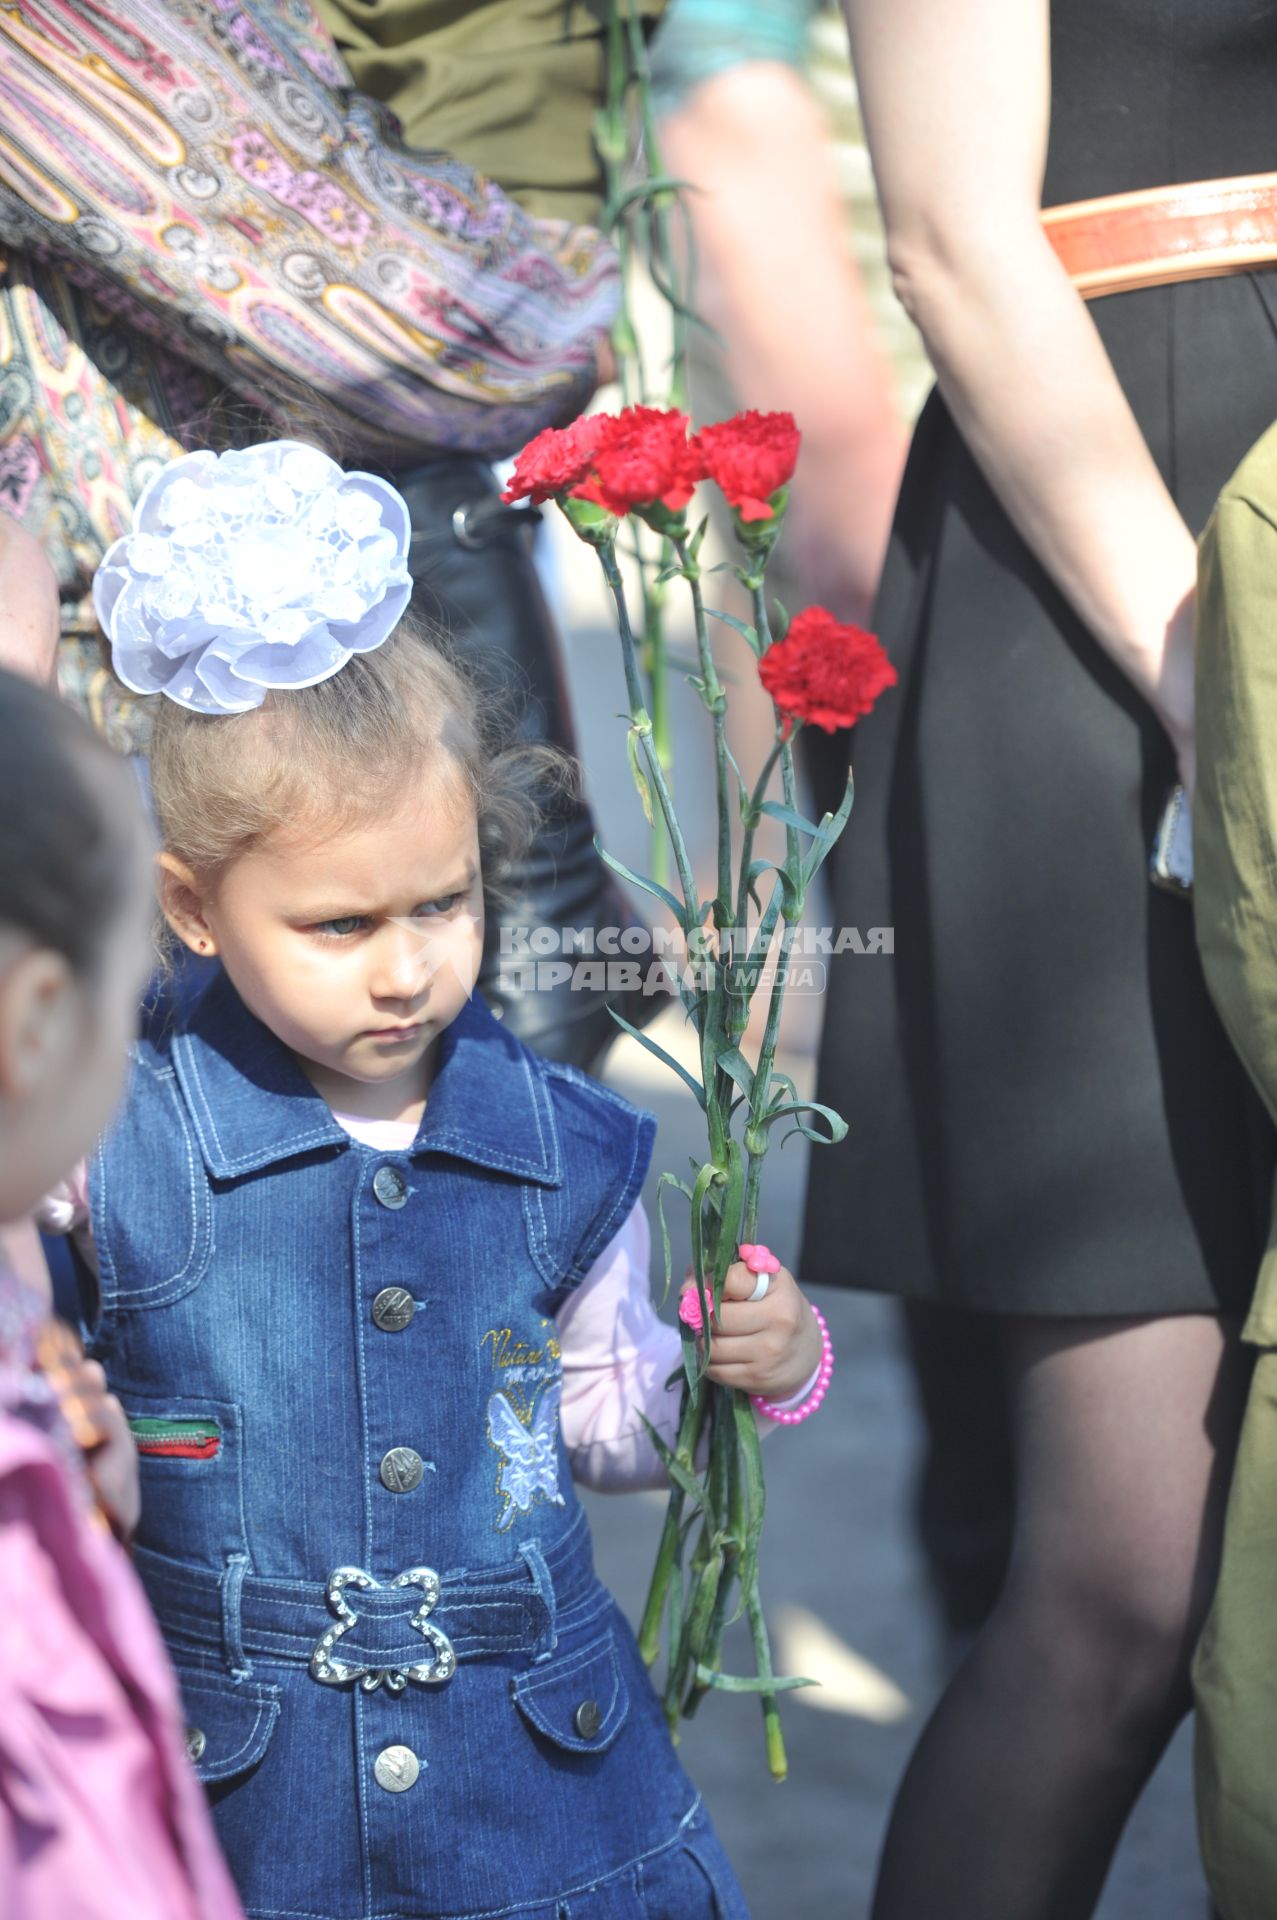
440, 1663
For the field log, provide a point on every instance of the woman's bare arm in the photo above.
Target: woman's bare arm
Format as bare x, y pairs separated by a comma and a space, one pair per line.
777, 280
956, 97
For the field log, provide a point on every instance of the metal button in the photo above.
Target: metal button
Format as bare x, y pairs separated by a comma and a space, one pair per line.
196, 1741
390, 1187
587, 1719
393, 1309
401, 1470
397, 1769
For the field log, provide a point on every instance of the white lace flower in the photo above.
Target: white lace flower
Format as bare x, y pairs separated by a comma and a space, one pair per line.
266, 567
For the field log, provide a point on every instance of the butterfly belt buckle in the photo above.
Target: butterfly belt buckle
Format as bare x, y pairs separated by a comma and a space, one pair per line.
440, 1662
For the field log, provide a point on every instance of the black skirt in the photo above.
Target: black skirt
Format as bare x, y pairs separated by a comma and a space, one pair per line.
1045, 1114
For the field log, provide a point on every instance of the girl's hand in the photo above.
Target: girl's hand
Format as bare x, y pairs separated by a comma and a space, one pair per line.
770, 1346
98, 1425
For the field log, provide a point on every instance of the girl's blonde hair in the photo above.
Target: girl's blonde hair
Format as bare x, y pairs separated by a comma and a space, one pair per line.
336, 754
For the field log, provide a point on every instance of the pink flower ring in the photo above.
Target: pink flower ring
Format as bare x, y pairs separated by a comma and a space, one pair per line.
689, 1308
758, 1258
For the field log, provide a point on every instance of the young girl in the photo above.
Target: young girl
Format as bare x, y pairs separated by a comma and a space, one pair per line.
357, 1244
99, 1816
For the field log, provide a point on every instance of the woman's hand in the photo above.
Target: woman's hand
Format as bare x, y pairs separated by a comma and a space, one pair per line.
1175, 699
770, 1346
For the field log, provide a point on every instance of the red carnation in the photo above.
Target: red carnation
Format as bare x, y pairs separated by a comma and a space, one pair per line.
557, 460
825, 672
751, 457
644, 459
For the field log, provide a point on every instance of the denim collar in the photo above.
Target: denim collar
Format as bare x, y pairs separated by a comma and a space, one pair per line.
252, 1106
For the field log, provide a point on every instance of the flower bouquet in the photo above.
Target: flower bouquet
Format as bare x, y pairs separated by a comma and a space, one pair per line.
645, 462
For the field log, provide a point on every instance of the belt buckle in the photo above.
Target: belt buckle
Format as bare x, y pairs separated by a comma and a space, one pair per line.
440, 1663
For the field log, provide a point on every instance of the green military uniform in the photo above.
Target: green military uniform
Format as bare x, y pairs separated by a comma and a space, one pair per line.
1235, 904
510, 87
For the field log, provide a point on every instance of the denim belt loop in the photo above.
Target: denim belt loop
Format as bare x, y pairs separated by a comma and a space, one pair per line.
231, 1585
543, 1587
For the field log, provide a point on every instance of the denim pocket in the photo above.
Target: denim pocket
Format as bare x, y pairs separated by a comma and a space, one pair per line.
190, 1463
579, 1700
229, 1723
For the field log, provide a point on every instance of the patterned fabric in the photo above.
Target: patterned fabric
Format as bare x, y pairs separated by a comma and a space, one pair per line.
510, 87
204, 225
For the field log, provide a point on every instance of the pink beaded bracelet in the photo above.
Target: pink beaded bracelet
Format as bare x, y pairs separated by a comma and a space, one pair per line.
793, 1416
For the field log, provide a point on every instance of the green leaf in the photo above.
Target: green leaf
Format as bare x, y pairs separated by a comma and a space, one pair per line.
837, 1125
733, 1062
776, 811
667, 1179
676, 1066
686, 1482
639, 777
833, 824
742, 627
752, 1683
741, 788
643, 190
757, 868
676, 907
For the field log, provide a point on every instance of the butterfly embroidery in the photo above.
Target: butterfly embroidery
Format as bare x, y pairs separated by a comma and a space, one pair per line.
529, 1453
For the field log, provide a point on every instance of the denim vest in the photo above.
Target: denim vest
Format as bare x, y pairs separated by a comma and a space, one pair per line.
408, 1692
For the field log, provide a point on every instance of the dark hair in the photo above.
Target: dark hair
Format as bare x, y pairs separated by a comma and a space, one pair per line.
63, 848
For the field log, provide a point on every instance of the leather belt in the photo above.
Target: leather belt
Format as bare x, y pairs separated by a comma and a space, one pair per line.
1197, 231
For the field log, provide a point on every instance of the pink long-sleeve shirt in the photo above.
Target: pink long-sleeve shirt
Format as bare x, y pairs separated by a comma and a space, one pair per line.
618, 1355
101, 1815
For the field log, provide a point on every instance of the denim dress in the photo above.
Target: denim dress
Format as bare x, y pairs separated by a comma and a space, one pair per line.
407, 1691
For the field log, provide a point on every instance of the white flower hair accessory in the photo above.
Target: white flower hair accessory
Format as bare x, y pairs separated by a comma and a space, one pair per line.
264, 567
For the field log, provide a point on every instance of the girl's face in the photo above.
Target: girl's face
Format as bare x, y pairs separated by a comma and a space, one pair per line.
356, 950
64, 1040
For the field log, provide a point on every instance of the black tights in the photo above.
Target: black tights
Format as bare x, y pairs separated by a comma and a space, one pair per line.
1017, 1792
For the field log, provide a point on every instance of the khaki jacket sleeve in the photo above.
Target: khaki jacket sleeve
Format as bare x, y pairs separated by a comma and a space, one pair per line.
1235, 808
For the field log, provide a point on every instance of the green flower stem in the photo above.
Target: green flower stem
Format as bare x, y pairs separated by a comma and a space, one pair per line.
611, 139
638, 714
714, 1037
691, 1424
665, 272
733, 1507
756, 1134
655, 594
777, 1761
715, 701
740, 1002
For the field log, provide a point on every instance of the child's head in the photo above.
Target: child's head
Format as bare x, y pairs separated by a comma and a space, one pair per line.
75, 898
332, 847
329, 792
